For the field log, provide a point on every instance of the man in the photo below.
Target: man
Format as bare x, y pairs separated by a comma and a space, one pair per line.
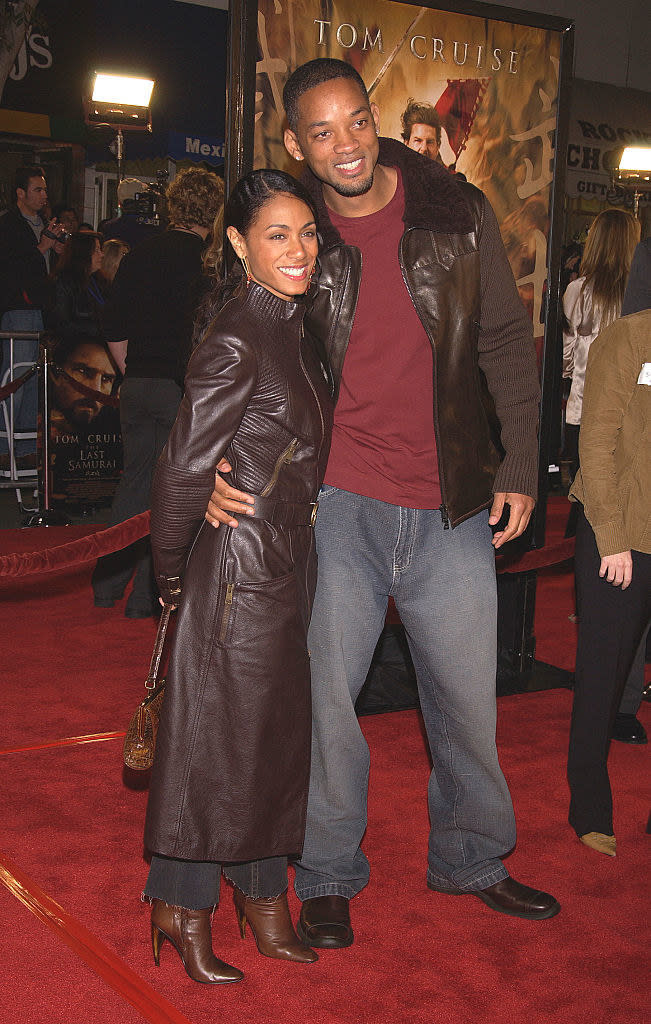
26, 246
412, 264
89, 363
638, 287
421, 129
148, 325
130, 226
67, 215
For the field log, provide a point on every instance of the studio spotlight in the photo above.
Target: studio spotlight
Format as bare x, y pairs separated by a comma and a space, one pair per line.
121, 102
633, 174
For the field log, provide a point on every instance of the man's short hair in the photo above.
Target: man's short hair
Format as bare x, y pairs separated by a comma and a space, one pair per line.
24, 173
64, 348
308, 76
128, 188
420, 113
194, 197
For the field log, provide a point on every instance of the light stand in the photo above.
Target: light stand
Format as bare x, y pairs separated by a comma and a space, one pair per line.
119, 153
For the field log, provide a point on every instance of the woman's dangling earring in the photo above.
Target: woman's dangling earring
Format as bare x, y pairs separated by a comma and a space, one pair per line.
246, 270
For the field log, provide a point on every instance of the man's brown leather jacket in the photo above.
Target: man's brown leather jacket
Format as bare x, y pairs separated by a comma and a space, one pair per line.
456, 270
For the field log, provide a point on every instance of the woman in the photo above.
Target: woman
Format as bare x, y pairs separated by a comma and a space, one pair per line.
593, 301
612, 560
229, 784
78, 298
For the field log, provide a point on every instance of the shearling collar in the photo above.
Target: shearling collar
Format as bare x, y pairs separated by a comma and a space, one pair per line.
433, 198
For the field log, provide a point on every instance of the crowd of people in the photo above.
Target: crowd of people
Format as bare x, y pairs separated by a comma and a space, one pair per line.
56, 275
264, 422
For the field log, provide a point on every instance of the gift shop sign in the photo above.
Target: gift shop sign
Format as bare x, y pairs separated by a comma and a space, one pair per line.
604, 120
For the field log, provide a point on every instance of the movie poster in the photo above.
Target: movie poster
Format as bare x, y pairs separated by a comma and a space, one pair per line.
85, 443
494, 84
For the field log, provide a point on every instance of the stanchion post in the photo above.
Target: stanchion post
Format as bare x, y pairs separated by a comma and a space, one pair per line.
46, 515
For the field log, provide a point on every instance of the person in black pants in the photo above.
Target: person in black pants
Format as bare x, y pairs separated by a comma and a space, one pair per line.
148, 325
612, 559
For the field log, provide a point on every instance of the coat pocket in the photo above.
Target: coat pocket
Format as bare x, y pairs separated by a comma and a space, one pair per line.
254, 611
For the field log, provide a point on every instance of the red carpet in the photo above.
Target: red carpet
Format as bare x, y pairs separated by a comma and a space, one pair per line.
71, 829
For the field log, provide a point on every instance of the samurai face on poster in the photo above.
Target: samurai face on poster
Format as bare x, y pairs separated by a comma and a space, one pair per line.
84, 424
477, 94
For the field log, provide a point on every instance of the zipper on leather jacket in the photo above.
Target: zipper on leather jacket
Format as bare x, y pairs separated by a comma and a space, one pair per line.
226, 614
437, 433
283, 459
313, 390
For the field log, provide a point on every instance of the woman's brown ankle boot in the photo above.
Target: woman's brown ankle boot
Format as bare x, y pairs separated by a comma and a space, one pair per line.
272, 927
190, 934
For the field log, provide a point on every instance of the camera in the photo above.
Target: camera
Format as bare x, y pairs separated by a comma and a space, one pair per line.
148, 206
62, 237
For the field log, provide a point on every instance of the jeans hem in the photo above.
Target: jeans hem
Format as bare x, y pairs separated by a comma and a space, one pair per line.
483, 881
256, 895
328, 889
147, 897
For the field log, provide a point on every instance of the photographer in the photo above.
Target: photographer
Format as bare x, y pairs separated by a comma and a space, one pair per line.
138, 219
148, 325
26, 246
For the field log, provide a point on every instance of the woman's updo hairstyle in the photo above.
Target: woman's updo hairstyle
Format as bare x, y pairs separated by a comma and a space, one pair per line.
243, 207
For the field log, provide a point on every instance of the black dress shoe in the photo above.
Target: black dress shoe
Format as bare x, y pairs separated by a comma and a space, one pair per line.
629, 729
511, 897
325, 923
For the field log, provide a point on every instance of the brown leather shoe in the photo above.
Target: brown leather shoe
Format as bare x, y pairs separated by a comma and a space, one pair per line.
325, 922
272, 927
190, 934
511, 897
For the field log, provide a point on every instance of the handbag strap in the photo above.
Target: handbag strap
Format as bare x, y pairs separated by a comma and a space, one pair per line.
150, 681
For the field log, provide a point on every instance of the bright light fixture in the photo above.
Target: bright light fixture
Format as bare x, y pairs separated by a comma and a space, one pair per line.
135, 92
636, 158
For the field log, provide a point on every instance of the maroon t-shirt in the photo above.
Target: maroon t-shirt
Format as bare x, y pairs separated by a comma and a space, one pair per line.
383, 443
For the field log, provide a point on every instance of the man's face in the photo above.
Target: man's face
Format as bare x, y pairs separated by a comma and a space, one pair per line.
423, 140
69, 220
337, 136
34, 198
90, 365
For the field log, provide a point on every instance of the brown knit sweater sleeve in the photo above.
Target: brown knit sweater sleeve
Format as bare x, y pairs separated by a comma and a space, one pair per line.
507, 358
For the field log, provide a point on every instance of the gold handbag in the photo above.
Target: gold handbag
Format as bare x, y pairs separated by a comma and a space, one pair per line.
140, 740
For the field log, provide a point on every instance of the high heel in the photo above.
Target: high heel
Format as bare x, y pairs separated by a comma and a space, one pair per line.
600, 842
189, 932
272, 927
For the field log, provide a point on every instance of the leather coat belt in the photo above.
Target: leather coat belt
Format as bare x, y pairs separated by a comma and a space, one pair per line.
285, 513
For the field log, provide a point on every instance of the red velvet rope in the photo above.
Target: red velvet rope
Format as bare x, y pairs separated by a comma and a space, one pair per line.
86, 549
540, 558
76, 552
12, 387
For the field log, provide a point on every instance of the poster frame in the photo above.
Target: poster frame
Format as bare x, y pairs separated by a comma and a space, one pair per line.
240, 121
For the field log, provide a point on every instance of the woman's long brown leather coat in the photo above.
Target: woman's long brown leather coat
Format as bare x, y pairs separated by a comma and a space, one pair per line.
231, 773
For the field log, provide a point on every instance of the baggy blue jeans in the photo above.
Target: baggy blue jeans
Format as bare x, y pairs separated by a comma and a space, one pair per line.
443, 584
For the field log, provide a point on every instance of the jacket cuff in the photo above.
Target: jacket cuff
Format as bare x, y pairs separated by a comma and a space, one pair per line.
611, 538
170, 588
518, 474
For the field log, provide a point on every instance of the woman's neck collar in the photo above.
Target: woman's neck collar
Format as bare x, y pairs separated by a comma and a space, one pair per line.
192, 229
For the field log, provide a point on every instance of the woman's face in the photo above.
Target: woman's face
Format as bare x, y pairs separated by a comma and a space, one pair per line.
96, 258
280, 246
